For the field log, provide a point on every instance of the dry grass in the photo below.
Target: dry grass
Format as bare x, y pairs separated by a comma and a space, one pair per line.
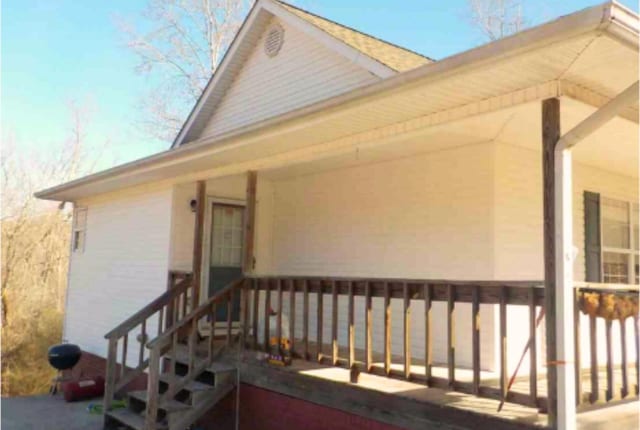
25, 369
34, 267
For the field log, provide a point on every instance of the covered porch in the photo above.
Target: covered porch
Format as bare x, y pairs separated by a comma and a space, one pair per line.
406, 250
412, 229
353, 302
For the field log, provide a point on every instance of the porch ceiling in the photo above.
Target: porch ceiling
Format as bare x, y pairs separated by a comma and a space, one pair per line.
594, 50
613, 148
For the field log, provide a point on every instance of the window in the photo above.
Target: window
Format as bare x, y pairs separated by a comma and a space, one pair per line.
79, 229
619, 226
226, 236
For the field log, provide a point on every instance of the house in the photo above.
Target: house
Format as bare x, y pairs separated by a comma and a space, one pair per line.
410, 217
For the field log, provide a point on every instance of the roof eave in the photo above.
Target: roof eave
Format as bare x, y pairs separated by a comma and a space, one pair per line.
609, 18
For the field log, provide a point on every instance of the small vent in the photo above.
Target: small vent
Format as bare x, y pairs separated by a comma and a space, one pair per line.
274, 41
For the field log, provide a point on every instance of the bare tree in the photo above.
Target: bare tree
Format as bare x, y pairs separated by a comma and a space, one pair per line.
35, 250
180, 48
496, 18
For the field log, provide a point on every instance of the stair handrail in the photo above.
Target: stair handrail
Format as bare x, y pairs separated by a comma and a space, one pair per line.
187, 327
169, 307
151, 308
197, 313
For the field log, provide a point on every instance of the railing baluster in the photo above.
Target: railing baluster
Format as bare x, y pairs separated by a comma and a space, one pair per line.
387, 329
428, 338
229, 316
184, 304
607, 332
193, 332
173, 361
123, 366
279, 315
267, 314
320, 321
176, 310
143, 340
212, 331
593, 347
244, 312
368, 324
576, 346
451, 335
475, 337
292, 315
636, 335
160, 320
334, 323
623, 350
352, 333
503, 343
256, 307
305, 320
406, 293
533, 350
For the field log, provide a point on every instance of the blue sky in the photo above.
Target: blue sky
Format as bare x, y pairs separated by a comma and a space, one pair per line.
54, 51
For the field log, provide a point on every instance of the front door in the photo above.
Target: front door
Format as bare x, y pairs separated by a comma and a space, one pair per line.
225, 253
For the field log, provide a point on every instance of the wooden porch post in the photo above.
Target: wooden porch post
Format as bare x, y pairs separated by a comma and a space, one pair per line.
198, 232
558, 248
550, 136
249, 224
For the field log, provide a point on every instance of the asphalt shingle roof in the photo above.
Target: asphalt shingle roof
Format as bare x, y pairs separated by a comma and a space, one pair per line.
393, 56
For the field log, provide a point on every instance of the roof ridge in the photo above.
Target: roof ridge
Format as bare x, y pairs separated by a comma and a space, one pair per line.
284, 3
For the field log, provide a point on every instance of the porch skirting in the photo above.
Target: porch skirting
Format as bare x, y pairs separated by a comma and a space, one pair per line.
263, 409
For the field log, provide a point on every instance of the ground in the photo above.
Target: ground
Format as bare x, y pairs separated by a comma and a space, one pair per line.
53, 413
46, 412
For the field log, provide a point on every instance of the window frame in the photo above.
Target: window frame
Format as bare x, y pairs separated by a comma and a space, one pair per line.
631, 253
79, 232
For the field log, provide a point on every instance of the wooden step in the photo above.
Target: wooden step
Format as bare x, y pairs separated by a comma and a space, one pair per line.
131, 419
219, 367
206, 402
192, 386
168, 405
182, 356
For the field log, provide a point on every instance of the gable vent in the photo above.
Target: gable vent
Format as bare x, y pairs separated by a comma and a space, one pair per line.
274, 40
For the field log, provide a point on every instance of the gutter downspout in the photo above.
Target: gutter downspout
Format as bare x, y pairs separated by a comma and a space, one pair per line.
564, 255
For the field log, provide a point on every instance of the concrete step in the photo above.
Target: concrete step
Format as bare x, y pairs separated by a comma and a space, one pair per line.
131, 420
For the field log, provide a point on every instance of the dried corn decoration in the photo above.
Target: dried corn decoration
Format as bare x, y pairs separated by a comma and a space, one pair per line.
610, 306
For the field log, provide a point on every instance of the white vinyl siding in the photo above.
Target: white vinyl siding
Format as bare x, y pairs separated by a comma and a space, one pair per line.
395, 219
303, 72
123, 267
519, 232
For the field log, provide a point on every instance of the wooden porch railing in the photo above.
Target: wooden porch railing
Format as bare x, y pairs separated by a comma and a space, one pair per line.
165, 310
528, 295
186, 328
611, 304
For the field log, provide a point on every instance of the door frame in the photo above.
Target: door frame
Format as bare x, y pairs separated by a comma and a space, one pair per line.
206, 242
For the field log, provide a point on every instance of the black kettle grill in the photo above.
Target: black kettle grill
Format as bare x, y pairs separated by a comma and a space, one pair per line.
62, 357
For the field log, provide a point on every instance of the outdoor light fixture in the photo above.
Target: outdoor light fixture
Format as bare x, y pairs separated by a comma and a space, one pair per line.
193, 204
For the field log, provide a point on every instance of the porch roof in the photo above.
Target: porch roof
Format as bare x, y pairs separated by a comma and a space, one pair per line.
589, 57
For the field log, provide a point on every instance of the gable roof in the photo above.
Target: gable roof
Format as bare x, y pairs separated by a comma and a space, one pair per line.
381, 58
396, 57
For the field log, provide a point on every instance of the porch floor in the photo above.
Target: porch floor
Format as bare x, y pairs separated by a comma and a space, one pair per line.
487, 378
409, 404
